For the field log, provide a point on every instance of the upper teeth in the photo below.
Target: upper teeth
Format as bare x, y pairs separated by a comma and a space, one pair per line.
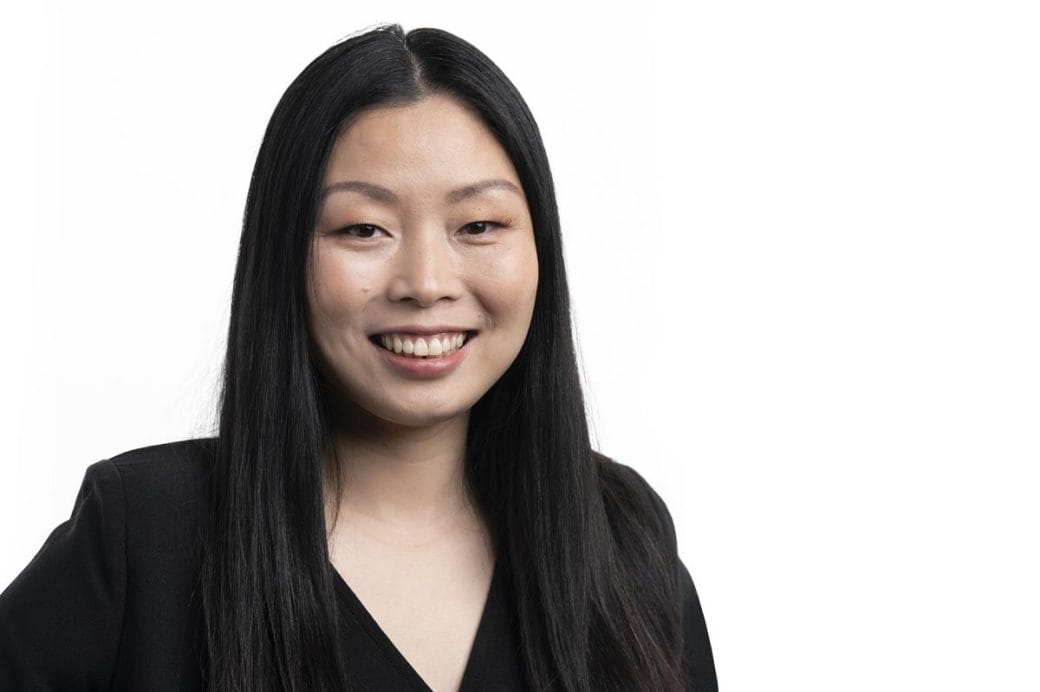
434, 345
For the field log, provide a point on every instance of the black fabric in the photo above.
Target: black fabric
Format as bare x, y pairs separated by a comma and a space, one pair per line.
111, 600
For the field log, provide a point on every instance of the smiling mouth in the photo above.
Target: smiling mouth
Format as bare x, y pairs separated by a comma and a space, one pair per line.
423, 347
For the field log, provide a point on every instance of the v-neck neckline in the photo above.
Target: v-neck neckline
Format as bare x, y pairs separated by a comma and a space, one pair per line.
394, 655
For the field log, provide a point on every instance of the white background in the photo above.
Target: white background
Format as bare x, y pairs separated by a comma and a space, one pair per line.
803, 248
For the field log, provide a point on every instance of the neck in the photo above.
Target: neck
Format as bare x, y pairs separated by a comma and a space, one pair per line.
402, 475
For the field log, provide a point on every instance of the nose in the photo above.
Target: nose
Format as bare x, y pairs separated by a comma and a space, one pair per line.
425, 269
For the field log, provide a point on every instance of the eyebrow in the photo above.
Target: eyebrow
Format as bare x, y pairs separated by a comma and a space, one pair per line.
382, 194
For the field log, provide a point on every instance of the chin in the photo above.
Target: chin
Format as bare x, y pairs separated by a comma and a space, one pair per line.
416, 415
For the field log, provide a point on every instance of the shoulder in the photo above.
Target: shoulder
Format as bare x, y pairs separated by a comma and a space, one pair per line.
159, 466
123, 562
633, 504
164, 490
154, 478
628, 493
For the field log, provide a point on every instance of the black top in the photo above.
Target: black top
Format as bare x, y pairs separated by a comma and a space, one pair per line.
110, 600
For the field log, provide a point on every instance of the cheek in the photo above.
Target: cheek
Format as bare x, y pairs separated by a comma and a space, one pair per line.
511, 285
338, 291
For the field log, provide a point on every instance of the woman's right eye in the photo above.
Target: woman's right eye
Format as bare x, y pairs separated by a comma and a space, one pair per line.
360, 230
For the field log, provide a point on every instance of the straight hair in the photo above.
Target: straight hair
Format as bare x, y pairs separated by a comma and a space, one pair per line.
583, 547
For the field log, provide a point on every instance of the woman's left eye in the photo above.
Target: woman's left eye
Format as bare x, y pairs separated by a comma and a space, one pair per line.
481, 226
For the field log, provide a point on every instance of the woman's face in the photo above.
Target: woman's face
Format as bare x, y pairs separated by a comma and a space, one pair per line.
423, 238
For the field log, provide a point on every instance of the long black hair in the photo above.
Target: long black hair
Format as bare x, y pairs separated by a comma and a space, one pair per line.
583, 548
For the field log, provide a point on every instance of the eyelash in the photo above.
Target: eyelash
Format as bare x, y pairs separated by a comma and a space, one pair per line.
505, 222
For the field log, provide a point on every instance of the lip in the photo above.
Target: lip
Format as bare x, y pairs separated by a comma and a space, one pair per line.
420, 330
426, 368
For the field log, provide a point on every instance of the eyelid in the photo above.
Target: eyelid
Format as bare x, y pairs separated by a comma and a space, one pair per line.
344, 230
501, 223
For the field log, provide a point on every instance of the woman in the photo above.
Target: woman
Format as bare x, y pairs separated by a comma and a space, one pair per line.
402, 494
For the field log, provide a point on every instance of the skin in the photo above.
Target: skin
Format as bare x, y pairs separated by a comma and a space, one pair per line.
407, 528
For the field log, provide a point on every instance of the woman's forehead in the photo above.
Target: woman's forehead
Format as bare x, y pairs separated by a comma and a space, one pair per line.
434, 142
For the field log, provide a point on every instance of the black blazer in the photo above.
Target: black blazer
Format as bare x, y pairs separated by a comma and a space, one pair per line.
110, 600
